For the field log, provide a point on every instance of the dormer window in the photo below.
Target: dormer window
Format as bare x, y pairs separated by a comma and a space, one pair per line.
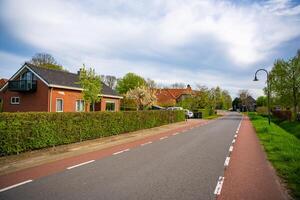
27, 76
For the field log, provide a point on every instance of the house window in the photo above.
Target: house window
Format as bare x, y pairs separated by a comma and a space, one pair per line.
15, 100
59, 105
79, 105
110, 106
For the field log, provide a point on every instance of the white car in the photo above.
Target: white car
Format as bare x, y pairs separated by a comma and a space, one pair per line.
189, 113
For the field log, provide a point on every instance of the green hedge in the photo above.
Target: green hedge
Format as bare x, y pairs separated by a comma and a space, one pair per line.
207, 112
21, 132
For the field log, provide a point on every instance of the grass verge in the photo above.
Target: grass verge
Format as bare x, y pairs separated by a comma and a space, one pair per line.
291, 127
283, 151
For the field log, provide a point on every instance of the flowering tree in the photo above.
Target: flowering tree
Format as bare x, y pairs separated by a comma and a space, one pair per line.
143, 96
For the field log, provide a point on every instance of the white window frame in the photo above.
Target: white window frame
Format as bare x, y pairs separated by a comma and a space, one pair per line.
14, 103
62, 104
83, 108
110, 102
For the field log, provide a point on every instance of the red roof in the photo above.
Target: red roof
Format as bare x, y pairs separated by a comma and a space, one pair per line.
168, 96
2, 82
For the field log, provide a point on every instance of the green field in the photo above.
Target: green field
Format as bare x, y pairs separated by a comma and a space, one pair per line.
283, 151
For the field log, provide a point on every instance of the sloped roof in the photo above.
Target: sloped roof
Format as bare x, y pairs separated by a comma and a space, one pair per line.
2, 82
56, 78
168, 95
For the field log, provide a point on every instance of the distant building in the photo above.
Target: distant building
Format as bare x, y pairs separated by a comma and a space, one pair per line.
171, 96
249, 105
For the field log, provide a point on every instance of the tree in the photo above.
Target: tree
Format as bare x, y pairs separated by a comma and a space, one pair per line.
109, 80
46, 61
261, 101
91, 84
128, 82
151, 83
285, 82
142, 95
244, 98
178, 85
227, 100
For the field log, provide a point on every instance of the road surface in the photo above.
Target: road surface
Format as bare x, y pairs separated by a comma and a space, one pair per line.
182, 166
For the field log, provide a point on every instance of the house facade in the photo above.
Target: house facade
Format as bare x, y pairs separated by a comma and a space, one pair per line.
249, 104
171, 96
36, 89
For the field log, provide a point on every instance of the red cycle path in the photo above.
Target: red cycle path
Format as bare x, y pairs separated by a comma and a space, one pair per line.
249, 174
57, 166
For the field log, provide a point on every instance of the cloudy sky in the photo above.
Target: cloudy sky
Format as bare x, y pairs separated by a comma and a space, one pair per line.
191, 41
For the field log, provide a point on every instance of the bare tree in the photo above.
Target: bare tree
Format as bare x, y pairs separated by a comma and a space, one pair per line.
109, 80
45, 60
178, 85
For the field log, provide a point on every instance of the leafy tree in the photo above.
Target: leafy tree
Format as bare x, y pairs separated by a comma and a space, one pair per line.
91, 84
261, 101
227, 100
46, 61
128, 82
142, 95
285, 82
109, 80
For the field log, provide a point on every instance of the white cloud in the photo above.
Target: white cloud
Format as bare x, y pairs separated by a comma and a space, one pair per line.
10, 63
115, 36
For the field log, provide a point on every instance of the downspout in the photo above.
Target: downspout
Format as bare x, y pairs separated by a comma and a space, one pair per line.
50, 101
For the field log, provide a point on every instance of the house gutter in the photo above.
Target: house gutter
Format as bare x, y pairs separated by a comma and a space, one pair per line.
50, 100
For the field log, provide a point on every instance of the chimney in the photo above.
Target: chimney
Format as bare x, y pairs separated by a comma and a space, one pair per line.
188, 87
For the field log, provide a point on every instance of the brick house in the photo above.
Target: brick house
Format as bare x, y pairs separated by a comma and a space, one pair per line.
38, 89
171, 96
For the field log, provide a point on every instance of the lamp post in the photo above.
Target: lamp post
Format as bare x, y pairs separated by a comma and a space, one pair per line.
268, 91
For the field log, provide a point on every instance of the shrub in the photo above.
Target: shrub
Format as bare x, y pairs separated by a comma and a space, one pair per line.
21, 132
262, 110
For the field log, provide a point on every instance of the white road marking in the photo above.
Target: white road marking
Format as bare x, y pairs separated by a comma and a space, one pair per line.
84, 163
235, 136
230, 148
146, 143
233, 141
219, 186
237, 131
226, 163
118, 152
162, 138
175, 133
15, 185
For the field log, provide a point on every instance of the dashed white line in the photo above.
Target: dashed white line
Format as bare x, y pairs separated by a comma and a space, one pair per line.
175, 133
230, 149
84, 163
233, 141
226, 163
15, 185
237, 131
118, 152
162, 138
146, 143
235, 136
219, 186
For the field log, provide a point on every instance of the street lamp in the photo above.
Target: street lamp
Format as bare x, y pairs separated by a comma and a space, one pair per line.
268, 91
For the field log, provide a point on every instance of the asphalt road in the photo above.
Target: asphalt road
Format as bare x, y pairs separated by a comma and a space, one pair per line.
183, 166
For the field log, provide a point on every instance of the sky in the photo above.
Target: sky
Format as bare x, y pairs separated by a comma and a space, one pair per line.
197, 42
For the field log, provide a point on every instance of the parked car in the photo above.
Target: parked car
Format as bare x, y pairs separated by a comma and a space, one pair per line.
174, 108
189, 113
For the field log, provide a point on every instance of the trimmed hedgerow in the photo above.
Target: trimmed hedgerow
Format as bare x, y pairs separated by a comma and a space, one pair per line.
21, 132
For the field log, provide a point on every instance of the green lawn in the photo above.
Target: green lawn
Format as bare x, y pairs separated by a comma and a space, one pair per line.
291, 127
283, 151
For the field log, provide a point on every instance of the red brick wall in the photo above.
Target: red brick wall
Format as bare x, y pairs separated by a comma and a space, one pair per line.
105, 99
29, 101
69, 99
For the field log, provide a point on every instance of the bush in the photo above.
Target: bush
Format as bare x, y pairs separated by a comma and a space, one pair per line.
262, 110
207, 112
21, 132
